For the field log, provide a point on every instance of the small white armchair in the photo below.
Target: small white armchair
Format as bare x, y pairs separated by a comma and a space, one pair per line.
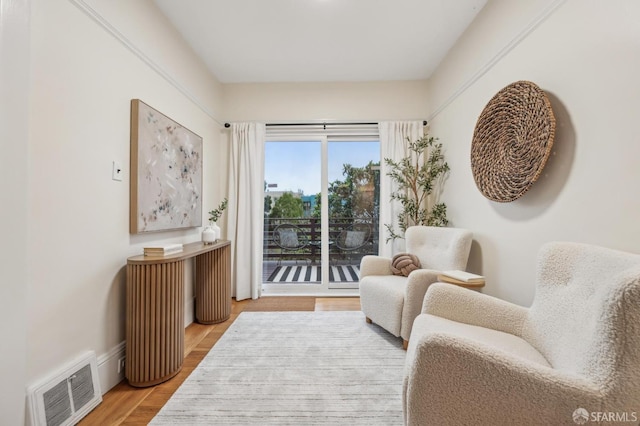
394, 301
572, 358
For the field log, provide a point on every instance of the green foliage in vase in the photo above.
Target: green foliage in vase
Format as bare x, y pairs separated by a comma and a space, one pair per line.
215, 214
416, 177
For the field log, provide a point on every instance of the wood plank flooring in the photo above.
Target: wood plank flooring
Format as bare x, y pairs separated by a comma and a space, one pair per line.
127, 405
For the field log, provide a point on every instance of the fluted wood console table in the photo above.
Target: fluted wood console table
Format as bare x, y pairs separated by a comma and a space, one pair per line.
155, 307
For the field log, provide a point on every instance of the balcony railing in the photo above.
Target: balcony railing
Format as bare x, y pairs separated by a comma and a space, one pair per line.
311, 252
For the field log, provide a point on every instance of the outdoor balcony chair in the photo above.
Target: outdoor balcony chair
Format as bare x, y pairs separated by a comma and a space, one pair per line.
290, 238
352, 239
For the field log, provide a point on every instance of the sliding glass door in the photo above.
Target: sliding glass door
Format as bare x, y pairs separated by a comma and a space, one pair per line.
353, 204
292, 222
321, 203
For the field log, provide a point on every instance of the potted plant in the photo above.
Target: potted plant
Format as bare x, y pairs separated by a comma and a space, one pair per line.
417, 176
212, 232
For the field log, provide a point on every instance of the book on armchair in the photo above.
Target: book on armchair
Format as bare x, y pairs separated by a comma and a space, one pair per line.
462, 277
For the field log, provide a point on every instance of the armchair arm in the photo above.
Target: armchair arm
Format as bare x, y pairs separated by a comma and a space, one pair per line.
417, 284
375, 265
452, 380
470, 307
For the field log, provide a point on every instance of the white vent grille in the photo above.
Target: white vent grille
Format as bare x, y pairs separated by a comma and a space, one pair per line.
66, 397
57, 405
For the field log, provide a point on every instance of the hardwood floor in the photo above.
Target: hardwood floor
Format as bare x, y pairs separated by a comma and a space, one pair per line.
127, 405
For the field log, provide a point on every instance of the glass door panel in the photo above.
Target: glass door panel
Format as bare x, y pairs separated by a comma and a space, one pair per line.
353, 194
292, 242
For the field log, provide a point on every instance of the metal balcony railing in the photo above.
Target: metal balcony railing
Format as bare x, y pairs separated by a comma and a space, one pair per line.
311, 252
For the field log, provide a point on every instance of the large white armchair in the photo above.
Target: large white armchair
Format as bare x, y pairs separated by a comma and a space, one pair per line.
572, 357
394, 301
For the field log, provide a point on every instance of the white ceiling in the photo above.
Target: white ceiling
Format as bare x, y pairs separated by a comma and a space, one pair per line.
245, 41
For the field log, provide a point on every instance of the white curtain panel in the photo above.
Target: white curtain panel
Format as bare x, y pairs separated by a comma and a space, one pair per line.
245, 220
393, 145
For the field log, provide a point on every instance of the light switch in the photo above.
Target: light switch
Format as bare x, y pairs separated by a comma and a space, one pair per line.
117, 172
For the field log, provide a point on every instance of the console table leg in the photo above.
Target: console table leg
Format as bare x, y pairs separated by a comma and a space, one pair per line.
155, 322
213, 286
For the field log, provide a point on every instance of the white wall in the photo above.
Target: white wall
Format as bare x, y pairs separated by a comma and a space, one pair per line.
401, 100
586, 56
82, 80
14, 132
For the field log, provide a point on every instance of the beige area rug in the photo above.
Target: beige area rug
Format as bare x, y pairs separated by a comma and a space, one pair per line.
294, 368
280, 304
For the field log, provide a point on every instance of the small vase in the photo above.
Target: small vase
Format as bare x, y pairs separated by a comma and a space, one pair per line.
209, 235
216, 229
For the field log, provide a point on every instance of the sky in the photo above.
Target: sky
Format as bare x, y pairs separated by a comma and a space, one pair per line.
296, 165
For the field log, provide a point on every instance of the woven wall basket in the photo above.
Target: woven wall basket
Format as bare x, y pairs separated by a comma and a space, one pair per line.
512, 141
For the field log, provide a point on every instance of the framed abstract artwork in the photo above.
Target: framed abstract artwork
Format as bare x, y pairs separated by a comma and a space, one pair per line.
166, 173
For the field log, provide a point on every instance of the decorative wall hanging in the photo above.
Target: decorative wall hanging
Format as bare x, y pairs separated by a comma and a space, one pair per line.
166, 173
512, 141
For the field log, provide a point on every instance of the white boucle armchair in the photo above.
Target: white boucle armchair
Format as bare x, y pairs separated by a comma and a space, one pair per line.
574, 355
393, 301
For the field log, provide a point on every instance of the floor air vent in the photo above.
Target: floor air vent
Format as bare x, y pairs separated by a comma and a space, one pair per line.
68, 396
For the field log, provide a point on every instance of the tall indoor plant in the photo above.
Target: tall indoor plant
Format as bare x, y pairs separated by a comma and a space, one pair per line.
416, 177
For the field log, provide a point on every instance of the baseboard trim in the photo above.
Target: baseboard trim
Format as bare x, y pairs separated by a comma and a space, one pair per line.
189, 311
108, 367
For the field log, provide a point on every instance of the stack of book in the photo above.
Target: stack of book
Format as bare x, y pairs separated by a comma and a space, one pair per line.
461, 278
162, 250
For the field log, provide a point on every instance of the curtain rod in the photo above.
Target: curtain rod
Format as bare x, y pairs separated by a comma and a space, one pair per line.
424, 123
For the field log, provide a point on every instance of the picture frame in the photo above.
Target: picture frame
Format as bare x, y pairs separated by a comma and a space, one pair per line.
166, 173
